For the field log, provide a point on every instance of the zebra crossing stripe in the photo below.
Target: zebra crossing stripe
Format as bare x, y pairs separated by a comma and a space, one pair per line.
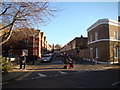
42, 75
115, 83
62, 72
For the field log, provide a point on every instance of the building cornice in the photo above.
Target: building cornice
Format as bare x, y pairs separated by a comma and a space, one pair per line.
103, 40
104, 21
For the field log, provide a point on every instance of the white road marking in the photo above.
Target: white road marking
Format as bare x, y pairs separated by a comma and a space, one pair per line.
42, 75
115, 83
62, 72
56, 75
35, 77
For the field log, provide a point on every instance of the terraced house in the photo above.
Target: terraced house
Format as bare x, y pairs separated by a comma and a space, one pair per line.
32, 46
104, 41
75, 47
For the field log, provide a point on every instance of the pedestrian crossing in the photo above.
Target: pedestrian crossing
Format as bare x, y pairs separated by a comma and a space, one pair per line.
52, 74
62, 72
43, 74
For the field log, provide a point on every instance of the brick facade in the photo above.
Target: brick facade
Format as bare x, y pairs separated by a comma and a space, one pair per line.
76, 47
104, 41
35, 46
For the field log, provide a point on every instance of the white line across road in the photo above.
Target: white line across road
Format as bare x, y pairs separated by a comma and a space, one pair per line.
42, 75
62, 72
115, 83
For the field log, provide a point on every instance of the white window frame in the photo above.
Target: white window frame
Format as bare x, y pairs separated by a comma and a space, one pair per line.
91, 38
115, 35
91, 52
116, 52
96, 52
96, 35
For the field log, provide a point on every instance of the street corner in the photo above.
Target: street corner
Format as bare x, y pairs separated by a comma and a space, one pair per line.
11, 76
15, 74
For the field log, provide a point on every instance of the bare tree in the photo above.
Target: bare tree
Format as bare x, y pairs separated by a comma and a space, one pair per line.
19, 39
19, 14
57, 46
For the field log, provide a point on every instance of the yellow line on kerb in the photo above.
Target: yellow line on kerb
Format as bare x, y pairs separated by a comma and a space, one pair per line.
26, 75
3, 83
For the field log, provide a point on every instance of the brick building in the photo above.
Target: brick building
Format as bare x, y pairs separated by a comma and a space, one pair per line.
49, 48
43, 44
31, 47
104, 41
38, 45
75, 47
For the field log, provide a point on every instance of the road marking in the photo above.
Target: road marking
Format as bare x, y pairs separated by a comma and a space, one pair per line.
35, 77
26, 75
115, 83
56, 75
4, 83
62, 72
42, 75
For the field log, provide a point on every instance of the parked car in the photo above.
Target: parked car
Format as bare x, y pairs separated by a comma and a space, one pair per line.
51, 54
46, 58
10, 58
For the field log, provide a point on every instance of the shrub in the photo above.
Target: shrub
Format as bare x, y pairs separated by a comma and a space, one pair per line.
6, 66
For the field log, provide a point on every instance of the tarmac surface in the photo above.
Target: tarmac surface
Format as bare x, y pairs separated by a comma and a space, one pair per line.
17, 74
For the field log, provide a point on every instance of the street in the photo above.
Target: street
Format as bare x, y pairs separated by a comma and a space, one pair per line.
70, 44
52, 75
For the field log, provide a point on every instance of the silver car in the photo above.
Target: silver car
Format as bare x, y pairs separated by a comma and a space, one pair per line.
46, 58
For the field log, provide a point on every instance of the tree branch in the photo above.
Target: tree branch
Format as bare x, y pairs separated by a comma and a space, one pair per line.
5, 10
9, 35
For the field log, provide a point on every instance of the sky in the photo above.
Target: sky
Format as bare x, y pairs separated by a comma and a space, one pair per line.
75, 18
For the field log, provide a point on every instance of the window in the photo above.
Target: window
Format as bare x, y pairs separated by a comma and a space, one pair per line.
96, 35
26, 42
96, 52
116, 52
115, 35
90, 37
91, 53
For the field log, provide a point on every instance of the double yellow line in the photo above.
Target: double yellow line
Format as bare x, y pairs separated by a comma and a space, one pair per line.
19, 78
26, 75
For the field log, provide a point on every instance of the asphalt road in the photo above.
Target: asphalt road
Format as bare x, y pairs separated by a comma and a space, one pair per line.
67, 78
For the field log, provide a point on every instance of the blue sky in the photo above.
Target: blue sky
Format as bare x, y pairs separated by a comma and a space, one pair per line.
75, 18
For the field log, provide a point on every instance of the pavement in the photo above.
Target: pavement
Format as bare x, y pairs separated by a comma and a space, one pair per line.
17, 74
